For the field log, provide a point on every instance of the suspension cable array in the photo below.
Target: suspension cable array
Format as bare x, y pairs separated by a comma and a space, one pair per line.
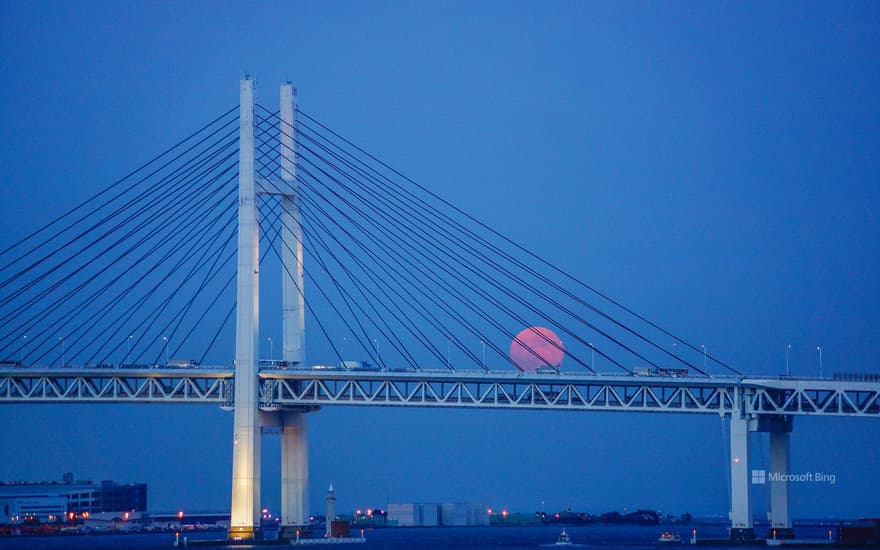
133, 274
143, 271
392, 261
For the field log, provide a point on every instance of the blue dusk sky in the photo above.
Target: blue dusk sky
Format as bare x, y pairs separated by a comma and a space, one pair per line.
713, 165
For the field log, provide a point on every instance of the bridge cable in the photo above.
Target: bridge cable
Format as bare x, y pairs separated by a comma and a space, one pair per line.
425, 223
507, 291
347, 298
270, 242
96, 209
308, 305
415, 229
391, 335
61, 263
321, 263
113, 185
509, 241
495, 302
170, 248
28, 325
482, 336
154, 220
409, 280
211, 272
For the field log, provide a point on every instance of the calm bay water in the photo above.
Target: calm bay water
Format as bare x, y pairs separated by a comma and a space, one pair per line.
511, 538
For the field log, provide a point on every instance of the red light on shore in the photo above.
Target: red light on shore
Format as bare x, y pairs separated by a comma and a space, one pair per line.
180, 514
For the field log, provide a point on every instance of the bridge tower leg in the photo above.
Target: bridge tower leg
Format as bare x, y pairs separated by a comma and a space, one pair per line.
244, 521
741, 528
780, 466
294, 444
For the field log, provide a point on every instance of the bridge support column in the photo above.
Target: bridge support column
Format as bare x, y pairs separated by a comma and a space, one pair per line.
292, 290
294, 474
244, 522
294, 442
741, 528
780, 467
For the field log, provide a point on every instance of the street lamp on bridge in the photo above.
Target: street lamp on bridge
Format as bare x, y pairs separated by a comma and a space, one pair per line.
592, 357
787, 353
819, 349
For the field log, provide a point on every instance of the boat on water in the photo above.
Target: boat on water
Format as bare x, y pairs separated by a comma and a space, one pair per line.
325, 541
670, 537
563, 541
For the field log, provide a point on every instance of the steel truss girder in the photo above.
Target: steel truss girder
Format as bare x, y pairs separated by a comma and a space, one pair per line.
116, 386
305, 390
494, 394
817, 398
283, 389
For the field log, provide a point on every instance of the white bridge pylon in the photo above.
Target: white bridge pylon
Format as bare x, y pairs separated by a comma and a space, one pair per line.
249, 421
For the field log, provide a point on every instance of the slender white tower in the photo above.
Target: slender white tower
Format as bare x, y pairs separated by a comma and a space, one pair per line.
244, 521
294, 443
331, 511
292, 291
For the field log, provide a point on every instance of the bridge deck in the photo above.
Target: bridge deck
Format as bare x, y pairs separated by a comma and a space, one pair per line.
298, 388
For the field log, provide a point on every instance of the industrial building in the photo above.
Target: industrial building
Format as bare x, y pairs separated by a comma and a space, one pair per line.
427, 514
58, 500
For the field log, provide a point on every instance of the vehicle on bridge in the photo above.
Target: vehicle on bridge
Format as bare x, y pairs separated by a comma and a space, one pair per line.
325, 367
181, 363
276, 364
674, 373
359, 365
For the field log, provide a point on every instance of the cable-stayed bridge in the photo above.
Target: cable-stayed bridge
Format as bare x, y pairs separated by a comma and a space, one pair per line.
133, 295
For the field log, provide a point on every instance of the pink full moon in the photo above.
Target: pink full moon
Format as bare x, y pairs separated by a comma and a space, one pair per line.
546, 349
